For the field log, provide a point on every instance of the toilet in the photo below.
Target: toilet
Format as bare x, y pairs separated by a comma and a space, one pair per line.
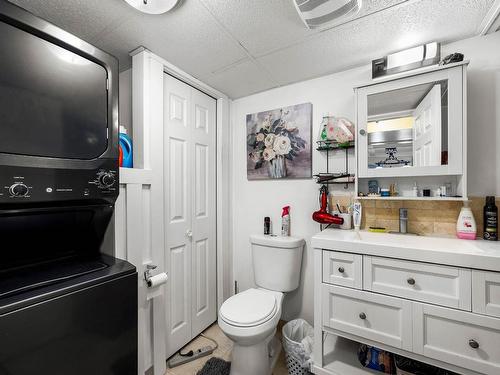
250, 318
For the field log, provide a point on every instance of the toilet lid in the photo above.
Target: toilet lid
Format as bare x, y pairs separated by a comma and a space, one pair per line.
249, 308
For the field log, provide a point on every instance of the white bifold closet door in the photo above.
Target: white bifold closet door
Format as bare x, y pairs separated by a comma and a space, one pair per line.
190, 212
427, 130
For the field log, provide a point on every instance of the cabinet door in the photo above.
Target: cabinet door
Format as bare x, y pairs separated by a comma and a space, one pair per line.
486, 293
343, 269
441, 285
375, 317
463, 339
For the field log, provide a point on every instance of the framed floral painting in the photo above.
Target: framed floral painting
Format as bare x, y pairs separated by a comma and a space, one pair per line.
279, 143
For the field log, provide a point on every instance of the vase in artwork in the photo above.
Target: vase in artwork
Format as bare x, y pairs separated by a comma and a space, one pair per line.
277, 167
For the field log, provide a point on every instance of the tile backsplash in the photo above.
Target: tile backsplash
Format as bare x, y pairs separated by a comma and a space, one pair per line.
424, 217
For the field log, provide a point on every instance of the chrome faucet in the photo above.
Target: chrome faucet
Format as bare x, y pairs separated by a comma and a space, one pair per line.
403, 220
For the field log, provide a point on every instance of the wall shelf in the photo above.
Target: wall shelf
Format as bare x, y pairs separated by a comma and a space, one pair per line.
405, 198
332, 146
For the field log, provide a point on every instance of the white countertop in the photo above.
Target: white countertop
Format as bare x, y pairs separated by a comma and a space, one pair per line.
477, 254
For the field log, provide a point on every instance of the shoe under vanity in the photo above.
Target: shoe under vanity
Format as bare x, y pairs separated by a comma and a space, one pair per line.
436, 300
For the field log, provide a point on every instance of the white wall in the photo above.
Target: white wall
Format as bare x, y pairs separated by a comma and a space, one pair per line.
253, 200
483, 112
125, 100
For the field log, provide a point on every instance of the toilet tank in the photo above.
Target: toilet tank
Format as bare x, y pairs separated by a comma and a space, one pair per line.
277, 261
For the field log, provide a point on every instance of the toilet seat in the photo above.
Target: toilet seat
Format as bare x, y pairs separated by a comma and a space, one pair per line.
249, 308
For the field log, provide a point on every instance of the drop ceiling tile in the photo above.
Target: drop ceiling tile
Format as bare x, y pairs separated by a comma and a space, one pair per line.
84, 18
264, 26
260, 26
358, 42
240, 79
187, 37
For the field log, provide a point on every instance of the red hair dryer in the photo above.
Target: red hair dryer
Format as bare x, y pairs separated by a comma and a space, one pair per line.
322, 216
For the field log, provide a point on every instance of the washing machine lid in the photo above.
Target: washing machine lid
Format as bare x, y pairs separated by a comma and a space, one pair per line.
249, 308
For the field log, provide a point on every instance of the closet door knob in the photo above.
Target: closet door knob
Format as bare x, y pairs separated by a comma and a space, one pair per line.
362, 132
341, 269
362, 316
411, 281
189, 233
473, 344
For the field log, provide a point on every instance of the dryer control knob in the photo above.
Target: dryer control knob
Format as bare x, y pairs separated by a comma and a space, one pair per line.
107, 180
19, 190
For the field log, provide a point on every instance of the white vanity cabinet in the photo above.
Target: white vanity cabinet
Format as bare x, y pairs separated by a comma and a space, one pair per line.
392, 295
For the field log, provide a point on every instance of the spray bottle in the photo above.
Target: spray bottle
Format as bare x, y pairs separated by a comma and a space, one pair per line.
285, 221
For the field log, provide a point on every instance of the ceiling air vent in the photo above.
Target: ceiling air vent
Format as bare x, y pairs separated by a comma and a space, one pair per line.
491, 22
318, 13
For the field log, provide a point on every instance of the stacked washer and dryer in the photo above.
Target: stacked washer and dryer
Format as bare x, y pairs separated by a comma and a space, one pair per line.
66, 307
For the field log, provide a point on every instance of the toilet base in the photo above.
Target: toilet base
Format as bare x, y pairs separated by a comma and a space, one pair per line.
255, 359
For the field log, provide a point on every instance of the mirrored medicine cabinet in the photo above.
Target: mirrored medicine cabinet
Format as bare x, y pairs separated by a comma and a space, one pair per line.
414, 126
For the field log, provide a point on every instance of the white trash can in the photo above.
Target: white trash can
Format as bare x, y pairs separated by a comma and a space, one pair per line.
298, 339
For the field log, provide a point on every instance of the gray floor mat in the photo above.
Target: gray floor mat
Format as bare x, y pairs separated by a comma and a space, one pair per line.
215, 366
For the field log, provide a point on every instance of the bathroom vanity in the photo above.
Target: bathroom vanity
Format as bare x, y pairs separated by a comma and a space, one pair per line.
433, 299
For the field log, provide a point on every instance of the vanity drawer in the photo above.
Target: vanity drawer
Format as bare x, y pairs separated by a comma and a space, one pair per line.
486, 293
441, 285
343, 269
463, 339
375, 317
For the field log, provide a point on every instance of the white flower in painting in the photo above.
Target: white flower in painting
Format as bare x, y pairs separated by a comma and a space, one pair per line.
269, 141
255, 156
290, 126
260, 137
268, 154
282, 145
266, 124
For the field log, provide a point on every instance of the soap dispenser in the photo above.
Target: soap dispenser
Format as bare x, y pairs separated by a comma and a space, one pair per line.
466, 225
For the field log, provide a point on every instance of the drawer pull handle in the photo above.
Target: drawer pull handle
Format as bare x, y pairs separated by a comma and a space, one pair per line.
341, 269
362, 316
473, 344
411, 281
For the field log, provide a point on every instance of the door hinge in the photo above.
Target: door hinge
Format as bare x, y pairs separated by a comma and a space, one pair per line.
235, 287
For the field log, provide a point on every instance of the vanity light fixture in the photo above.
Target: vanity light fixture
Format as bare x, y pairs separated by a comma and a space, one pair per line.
318, 13
408, 59
153, 6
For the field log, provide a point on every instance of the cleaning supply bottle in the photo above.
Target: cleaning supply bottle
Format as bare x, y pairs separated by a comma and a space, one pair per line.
126, 148
490, 216
285, 221
466, 225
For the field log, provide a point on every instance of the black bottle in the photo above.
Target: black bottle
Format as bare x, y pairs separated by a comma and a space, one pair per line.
490, 220
267, 225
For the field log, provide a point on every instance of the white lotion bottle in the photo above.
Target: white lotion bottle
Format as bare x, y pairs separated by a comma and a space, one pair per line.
466, 224
356, 215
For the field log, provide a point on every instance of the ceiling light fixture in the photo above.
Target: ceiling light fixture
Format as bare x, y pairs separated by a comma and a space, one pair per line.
153, 6
317, 13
